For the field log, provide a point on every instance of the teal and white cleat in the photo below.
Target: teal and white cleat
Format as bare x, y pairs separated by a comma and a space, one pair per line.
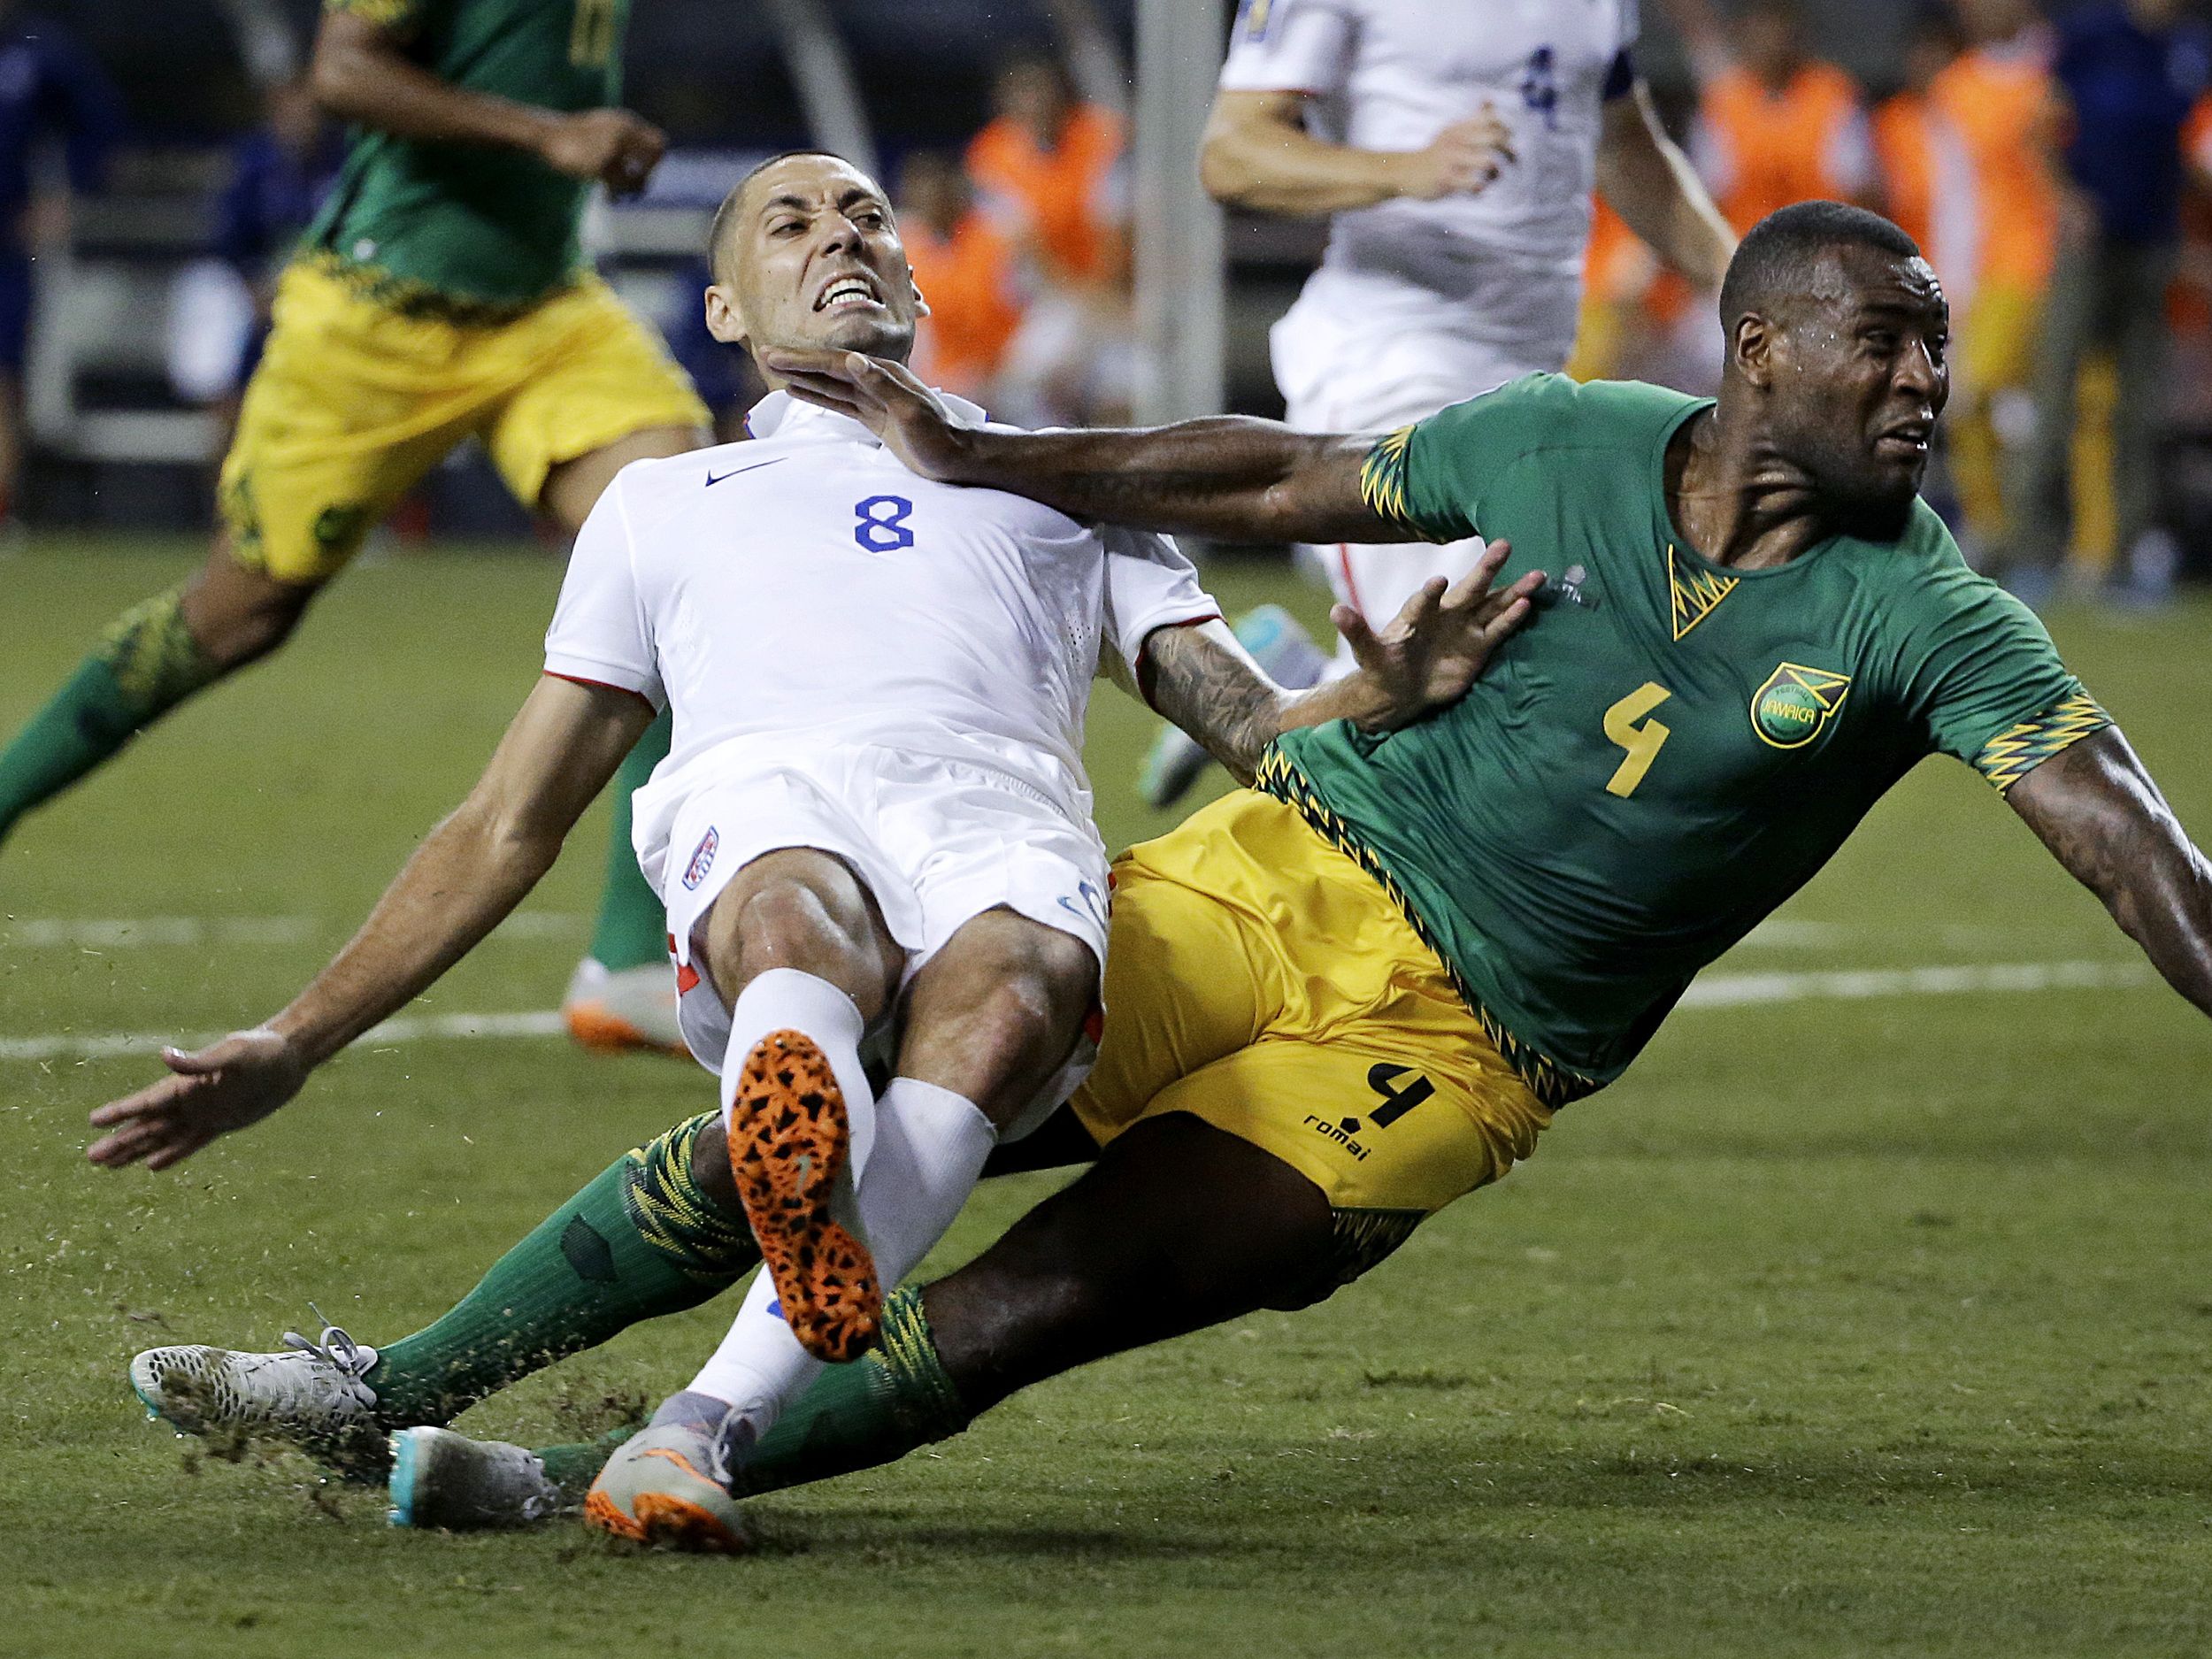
663, 1486
311, 1394
1289, 654
443, 1480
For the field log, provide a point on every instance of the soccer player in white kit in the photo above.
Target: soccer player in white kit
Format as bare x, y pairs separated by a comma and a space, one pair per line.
873, 815
1454, 149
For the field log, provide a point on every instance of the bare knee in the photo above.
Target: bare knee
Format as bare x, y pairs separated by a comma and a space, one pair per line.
807, 914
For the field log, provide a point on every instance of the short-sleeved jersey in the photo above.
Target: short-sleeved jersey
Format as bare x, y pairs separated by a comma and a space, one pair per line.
806, 586
1392, 74
1671, 749
473, 225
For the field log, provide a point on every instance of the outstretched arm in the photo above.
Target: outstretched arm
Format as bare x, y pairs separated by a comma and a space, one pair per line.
1431, 652
1258, 155
464, 879
1228, 476
361, 72
2101, 815
1650, 183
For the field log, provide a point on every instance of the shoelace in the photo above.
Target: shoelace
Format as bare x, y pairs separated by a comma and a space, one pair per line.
340, 1352
726, 1451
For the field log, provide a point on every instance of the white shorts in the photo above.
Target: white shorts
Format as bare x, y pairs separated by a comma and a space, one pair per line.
1335, 378
936, 842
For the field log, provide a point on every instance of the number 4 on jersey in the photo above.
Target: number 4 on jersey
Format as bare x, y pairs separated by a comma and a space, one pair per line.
1625, 723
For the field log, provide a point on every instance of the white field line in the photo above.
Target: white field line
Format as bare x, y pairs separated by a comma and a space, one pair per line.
1742, 990
1715, 990
48, 932
405, 1028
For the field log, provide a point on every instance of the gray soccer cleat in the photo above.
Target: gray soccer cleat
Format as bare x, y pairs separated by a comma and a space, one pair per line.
440, 1478
666, 1485
311, 1394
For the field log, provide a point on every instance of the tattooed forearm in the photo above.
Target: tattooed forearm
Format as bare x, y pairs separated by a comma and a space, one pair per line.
1202, 680
2101, 815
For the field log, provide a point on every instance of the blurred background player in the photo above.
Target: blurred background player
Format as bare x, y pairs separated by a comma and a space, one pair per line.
2128, 74
969, 270
1918, 157
1455, 150
1775, 125
1995, 97
49, 89
441, 294
280, 174
1051, 170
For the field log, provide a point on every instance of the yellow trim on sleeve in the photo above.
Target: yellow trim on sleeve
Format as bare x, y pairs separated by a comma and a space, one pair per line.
385, 14
1382, 481
2019, 750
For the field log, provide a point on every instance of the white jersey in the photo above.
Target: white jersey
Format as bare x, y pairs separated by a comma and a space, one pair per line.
806, 588
1500, 270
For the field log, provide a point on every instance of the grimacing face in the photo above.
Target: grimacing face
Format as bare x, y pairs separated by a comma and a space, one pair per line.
811, 259
1858, 376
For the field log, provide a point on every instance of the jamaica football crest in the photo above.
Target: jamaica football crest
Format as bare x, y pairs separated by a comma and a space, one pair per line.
1796, 703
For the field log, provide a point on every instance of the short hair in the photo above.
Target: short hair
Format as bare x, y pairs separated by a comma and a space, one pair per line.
727, 212
1780, 256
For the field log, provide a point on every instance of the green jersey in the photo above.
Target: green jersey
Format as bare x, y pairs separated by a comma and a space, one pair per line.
474, 225
1671, 748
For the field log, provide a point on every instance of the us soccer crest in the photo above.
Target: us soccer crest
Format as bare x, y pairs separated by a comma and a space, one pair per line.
1796, 703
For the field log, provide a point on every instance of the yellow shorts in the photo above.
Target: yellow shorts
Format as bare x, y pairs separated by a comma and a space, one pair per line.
1997, 339
1259, 980
354, 401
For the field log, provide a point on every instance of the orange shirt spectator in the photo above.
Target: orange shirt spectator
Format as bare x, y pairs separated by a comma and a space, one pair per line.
1997, 98
1763, 144
1052, 166
1901, 144
2196, 143
1917, 155
967, 273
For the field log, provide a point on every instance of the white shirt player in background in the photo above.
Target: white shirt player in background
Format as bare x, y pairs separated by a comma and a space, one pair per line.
873, 813
1454, 146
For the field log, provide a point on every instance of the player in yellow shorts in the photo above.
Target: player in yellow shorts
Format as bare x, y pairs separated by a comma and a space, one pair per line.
440, 295
1219, 1011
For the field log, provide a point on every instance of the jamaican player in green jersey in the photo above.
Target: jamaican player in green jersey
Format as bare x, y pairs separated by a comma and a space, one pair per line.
440, 295
1343, 999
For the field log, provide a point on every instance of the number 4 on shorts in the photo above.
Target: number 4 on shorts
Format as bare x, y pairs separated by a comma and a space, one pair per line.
1398, 1099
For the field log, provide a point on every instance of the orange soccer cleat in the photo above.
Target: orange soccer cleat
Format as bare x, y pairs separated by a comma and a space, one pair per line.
788, 1141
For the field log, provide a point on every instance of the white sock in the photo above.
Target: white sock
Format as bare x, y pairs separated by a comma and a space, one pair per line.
759, 1368
930, 1148
785, 999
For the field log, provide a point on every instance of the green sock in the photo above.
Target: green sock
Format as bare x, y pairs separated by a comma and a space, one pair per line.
641, 1241
145, 664
633, 929
875, 1409
573, 1468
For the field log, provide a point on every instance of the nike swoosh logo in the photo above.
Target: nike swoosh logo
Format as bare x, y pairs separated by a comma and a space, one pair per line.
712, 480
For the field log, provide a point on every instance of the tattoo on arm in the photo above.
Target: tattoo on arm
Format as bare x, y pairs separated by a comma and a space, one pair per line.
2095, 807
1202, 680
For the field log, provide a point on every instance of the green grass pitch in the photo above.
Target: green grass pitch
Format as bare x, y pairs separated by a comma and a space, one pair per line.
1845, 1325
